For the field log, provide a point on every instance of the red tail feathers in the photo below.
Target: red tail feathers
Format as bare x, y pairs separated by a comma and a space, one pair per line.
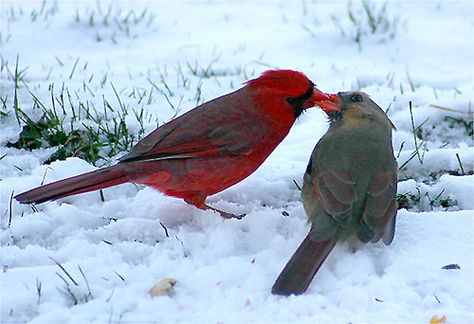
86, 182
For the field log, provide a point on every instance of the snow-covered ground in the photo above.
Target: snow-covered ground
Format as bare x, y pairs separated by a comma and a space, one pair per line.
166, 57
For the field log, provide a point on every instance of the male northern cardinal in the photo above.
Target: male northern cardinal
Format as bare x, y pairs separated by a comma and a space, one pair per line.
350, 186
208, 149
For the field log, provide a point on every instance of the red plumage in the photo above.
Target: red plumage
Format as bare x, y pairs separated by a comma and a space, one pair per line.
209, 148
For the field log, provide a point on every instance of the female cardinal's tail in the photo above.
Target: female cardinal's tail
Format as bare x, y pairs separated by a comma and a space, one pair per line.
89, 181
302, 267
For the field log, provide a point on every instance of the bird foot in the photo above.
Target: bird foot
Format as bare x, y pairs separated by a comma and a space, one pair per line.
224, 214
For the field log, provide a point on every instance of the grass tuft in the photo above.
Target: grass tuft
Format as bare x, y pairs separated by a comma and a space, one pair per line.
423, 201
72, 125
114, 23
370, 20
76, 292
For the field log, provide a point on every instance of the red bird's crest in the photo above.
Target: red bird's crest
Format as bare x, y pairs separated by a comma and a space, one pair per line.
292, 83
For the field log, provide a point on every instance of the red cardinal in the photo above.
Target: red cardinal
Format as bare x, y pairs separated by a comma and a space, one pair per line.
208, 149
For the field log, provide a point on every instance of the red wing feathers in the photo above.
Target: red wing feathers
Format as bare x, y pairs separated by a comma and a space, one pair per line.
190, 135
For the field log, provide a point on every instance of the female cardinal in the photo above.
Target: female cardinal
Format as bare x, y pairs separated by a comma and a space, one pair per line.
208, 149
350, 187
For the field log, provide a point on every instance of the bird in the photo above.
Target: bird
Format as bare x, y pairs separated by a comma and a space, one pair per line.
349, 189
206, 150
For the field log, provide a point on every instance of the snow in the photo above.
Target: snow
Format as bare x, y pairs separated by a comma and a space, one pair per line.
225, 268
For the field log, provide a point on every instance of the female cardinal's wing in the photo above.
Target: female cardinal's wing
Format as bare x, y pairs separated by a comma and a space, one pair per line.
218, 127
378, 218
337, 205
329, 196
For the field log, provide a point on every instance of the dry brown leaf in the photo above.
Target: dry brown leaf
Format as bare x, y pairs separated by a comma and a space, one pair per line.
163, 288
438, 320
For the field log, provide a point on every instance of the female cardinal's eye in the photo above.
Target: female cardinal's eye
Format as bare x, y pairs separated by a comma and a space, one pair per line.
356, 98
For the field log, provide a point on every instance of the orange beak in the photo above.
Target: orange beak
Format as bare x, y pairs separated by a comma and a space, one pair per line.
317, 96
330, 103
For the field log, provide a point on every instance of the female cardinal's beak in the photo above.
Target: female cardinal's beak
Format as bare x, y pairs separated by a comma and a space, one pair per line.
330, 103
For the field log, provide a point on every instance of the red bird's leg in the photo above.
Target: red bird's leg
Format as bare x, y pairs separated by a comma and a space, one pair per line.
200, 202
223, 213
